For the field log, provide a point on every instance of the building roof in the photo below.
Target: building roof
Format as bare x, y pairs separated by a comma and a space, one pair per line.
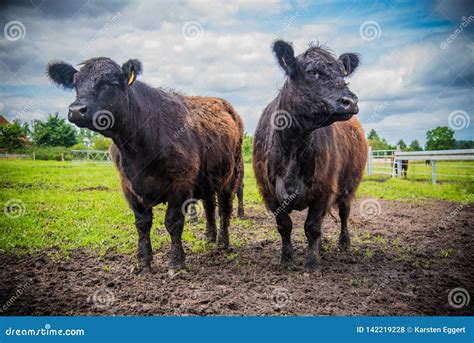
3, 121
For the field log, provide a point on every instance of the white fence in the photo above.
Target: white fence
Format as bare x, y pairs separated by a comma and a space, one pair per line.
389, 162
90, 155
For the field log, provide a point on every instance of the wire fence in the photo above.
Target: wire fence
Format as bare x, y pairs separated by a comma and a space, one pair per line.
90, 155
14, 156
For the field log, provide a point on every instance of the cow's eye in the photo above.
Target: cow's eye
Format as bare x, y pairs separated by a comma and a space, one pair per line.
312, 72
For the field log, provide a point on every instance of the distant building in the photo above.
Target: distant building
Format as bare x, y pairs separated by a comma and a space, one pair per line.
3, 121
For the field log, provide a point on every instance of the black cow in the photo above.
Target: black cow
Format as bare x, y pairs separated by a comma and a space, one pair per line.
300, 159
167, 147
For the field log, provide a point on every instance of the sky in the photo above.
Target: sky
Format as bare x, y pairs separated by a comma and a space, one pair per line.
417, 69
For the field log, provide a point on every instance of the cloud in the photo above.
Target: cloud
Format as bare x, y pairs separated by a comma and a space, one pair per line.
405, 70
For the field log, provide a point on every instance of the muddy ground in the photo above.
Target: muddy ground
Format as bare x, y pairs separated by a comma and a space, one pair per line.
403, 261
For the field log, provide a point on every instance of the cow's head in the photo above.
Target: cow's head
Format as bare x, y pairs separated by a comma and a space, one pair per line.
101, 90
317, 88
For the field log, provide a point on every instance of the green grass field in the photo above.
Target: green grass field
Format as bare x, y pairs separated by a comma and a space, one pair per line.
69, 205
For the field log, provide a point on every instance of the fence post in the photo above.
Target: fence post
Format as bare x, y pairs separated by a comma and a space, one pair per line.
433, 171
369, 162
399, 163
34, 157
62, 157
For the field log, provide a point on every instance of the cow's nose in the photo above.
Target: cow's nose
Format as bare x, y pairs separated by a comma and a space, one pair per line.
349, 104
77, 112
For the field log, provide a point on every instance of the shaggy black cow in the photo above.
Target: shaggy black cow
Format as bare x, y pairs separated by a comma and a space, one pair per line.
300, 159
167, 147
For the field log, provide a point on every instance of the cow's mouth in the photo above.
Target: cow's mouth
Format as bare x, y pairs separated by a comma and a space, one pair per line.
343, 116
82, 123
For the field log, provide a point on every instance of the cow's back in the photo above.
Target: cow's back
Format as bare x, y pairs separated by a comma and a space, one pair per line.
219, 130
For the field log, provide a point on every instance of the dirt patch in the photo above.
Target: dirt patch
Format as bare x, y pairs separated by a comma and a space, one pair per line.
403, 261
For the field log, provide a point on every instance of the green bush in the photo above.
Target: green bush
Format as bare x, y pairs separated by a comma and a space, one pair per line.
247, 148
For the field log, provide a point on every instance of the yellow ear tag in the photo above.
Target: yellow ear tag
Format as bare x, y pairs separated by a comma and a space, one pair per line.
131, 78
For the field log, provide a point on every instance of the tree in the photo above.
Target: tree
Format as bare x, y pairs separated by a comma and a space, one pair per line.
441, 138
465, 144
402, 144
53, 132
415, 146
373, 135
100, 142
85, 136
13, 136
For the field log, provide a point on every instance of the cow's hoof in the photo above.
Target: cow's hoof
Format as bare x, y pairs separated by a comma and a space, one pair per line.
211, 238
142, 270
224, 247
222, 244
312, 266
312, 271
344, 245
289, 265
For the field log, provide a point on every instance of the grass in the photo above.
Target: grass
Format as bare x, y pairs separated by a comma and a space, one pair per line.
70, 205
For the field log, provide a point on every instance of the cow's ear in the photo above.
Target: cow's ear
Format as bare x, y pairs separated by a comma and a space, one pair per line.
350, 62
130, 70
61, 73
286, 56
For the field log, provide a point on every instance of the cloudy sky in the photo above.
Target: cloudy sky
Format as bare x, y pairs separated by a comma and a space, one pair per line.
417, 67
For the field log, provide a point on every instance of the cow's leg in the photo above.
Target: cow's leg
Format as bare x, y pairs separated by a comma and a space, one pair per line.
210, 209
240, 197
174, 222
344, 238
225, 211
312, 229
284, 226
143, 222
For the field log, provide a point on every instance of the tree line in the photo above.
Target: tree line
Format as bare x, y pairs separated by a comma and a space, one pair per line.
440, 138
55, 131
